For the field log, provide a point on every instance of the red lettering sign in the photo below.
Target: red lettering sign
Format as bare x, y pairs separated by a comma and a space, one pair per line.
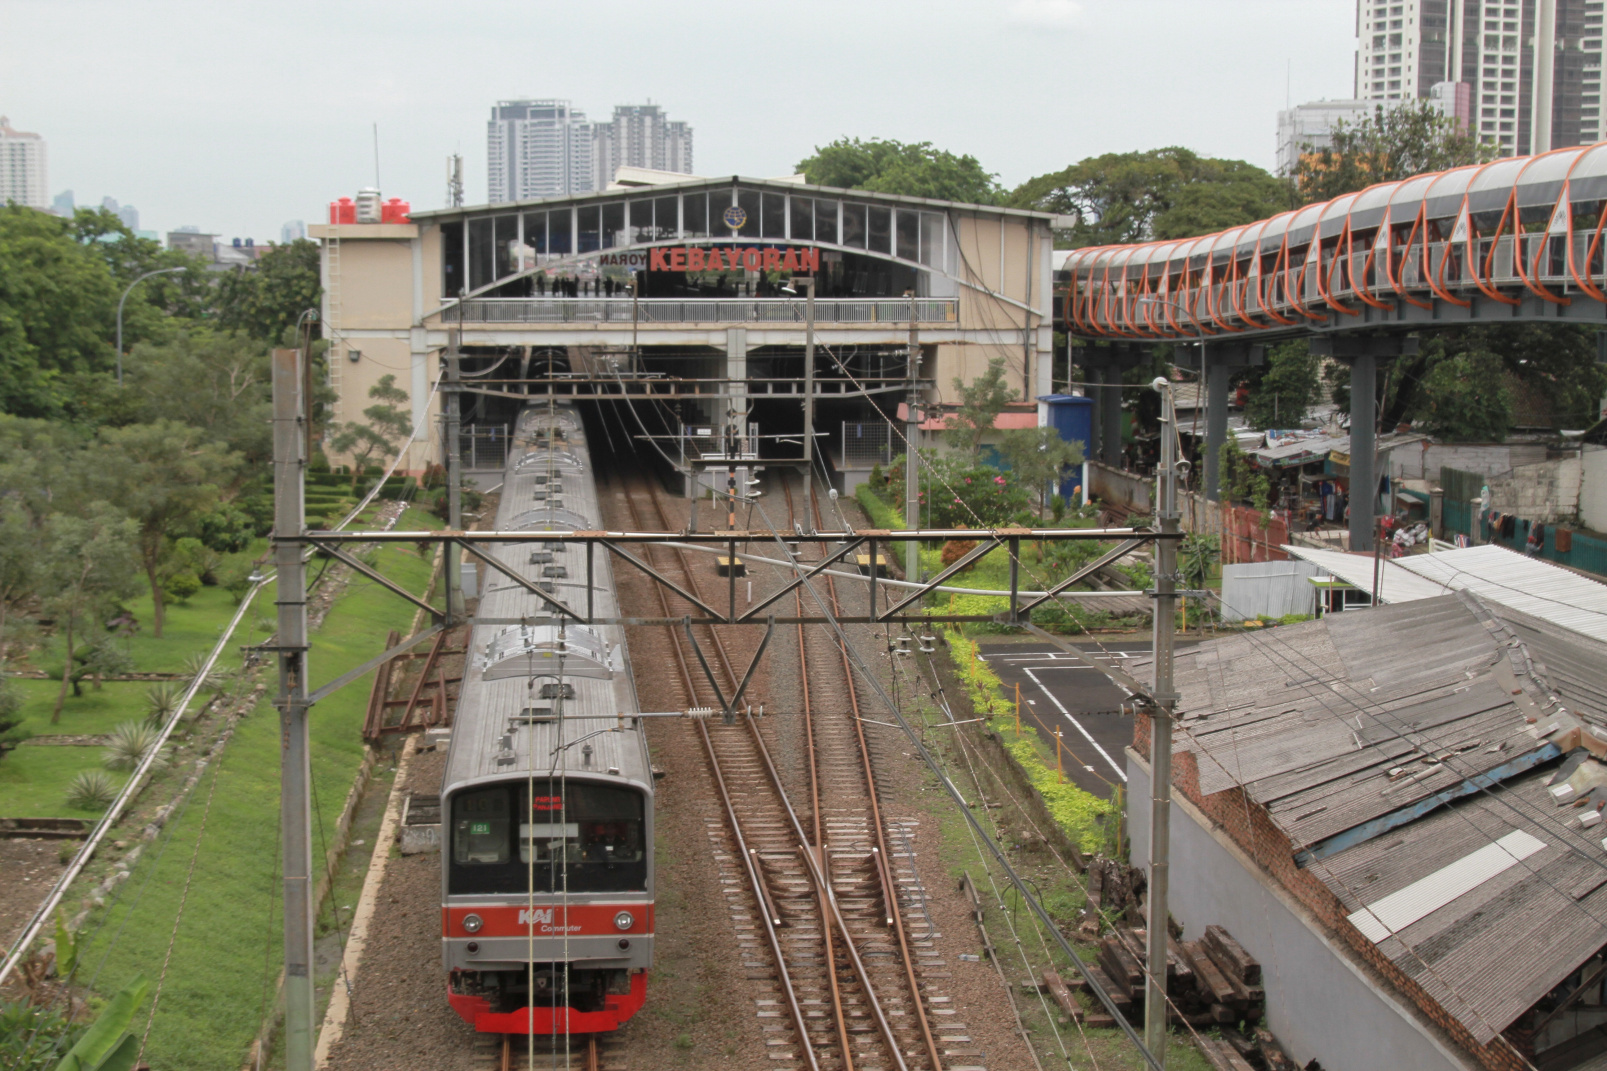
810, 260
772, 260
730, 258
677, 260
695, 259
657, 262
791, 263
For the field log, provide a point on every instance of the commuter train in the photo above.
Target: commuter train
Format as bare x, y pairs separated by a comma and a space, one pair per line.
547, 797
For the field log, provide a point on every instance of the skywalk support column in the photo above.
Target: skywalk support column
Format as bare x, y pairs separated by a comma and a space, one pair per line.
1363, 353
1220, 360
289, 514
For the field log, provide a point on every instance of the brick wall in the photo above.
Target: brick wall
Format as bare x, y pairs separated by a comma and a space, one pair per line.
1253, 830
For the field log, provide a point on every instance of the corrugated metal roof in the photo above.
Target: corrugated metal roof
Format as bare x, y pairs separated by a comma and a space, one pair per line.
1383, 918
1347, 730
1536, 587
1395, 584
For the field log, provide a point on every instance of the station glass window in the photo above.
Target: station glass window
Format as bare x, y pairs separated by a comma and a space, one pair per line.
749, 202
773, 221
880, 228
909, 235
560, 232
588, 228
854, 225
666, 224
931, 239
614, 224
641, 221
507, 239
480, 254
825, 221
695, 215
451, 258
536, 232
803, 219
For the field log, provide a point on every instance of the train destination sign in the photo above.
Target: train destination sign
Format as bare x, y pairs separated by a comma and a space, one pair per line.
733, 258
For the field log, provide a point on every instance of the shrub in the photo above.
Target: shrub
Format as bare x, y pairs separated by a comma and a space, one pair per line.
181, 586
955, 549
161, 700
130, 742
91, 790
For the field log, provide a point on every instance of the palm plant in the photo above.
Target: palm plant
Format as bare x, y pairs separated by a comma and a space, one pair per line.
129, 743
91, 790
161, 701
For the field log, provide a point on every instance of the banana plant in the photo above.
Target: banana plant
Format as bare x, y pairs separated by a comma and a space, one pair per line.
107, 1045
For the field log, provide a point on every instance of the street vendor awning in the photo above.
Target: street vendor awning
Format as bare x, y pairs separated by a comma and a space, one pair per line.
1299, 451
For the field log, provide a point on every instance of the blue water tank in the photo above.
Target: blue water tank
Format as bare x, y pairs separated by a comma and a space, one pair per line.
1073, 417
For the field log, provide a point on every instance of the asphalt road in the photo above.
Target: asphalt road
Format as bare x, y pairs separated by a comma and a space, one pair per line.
1060, 693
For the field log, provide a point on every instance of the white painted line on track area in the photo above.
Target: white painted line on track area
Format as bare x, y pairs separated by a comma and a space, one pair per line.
1061, 707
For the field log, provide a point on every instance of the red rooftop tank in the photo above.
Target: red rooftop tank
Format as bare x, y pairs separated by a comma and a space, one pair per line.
395, 211
343, 211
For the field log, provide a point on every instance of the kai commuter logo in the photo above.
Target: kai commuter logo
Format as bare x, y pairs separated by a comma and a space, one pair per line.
540, 916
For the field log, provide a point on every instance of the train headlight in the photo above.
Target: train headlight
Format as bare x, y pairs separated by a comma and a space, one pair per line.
472, 923
624, 920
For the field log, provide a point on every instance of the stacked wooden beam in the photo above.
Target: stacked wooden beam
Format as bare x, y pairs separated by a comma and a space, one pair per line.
1210, 982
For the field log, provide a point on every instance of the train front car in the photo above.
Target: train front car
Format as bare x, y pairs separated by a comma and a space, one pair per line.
547, 801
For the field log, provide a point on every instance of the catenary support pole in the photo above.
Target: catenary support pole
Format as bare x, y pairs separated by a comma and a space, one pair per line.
809, 404
912, 468
454, 476
289, 461
1160, 754
1363, 445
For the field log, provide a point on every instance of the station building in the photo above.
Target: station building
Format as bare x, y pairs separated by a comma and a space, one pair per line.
676, 298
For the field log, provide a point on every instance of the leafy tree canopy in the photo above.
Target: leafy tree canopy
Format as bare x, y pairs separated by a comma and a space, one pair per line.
266, 301
916, 170
1288, 385
981, 402
1465, 398
217, 382
1119, 198
1391, 144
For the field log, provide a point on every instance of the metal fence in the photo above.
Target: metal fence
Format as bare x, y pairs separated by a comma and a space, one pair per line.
561, 310
867, 443
484, 446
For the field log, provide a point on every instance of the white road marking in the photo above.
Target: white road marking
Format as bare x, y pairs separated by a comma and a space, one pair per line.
1077, 723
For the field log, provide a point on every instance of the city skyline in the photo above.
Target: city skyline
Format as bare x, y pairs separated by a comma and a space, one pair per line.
246, 156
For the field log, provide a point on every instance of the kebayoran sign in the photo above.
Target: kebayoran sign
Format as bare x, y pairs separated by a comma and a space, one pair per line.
733, 258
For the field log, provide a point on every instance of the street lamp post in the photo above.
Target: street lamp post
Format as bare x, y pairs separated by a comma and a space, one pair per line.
130, 287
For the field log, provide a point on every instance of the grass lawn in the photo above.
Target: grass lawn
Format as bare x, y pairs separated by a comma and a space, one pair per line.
34, 780
228, 950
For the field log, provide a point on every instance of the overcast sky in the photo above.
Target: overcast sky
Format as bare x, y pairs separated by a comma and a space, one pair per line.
237, 116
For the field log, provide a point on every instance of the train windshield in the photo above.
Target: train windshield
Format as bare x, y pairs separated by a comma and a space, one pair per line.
575, 835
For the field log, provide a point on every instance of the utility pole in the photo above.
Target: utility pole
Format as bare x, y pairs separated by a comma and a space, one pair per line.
1160, 746
912, 458
454, 476
289, 518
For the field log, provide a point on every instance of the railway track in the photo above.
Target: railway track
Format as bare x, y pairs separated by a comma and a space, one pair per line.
823, 923
586, 1052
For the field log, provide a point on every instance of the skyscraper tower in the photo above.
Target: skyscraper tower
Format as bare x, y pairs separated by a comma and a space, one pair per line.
538, 148
1499, 50
22, 167
641, 135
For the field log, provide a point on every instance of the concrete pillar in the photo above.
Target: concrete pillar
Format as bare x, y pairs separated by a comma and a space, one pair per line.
1110, 404
1217, 372
1096, 413
1363, 444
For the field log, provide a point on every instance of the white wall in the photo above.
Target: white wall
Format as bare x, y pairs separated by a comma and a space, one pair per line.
1321, 1004
1422, 461
1593, 489
1548, 491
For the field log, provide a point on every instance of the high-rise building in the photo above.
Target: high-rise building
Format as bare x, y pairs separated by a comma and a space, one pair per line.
62, 204
22, 167
292, 231
127, 213
538, 148
640, 135
1306, 127
1407, 48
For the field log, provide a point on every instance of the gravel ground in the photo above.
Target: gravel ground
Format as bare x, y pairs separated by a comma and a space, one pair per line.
30, 869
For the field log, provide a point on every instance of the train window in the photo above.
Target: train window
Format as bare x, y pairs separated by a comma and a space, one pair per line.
480, 827
581, 836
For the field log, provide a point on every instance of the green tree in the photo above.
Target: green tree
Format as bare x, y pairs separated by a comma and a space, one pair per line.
11, 731
387, 428
1465, 398
981, 402
164, 475
916, 170
19, 567
216, 382
89, 564
1390, 144
1168, 193
1287, 386
267, 298
1038, 457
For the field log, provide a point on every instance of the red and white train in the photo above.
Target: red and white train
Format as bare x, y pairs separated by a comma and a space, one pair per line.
547, 799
